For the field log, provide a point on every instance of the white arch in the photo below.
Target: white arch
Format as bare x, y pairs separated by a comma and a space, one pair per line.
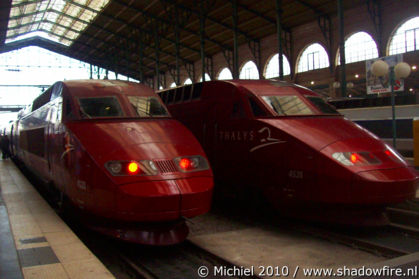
272, 67
207, 78
172, 85
225, 74
359, 47
405, 38
313, 57
249, 71
187, 81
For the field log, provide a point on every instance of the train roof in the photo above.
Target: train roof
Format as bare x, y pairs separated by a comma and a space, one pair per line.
92, 88
259, 87
271, 86
103, 87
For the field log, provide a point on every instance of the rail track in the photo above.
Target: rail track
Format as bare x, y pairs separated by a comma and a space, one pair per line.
181, 261
387, 241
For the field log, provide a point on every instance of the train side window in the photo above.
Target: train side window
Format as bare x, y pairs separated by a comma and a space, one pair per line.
68, 110
197, 89
52, 114
42, 99
178, 95
161, 95
187, 93
170, 95
256, 109
59, 111
56, 90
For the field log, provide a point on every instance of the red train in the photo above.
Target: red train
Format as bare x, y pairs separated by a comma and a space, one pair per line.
284, 141
114, 151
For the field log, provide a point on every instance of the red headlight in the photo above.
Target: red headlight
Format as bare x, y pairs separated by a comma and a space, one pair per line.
185, 163
191, 163
123, 168
133, 168
356, 158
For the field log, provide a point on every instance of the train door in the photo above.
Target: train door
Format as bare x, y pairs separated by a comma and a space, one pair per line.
209, 130
51, 119
70, 156
52, 138
232, 136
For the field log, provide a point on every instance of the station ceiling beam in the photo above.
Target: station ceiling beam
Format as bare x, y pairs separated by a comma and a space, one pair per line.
170, 23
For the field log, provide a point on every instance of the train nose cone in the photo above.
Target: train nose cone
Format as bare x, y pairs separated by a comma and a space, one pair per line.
128, 140
386, 186
385, 179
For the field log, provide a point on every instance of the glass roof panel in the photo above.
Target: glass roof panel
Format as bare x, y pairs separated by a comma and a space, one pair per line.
46, 18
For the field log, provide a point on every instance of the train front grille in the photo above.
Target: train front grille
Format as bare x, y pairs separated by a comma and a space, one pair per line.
166, 166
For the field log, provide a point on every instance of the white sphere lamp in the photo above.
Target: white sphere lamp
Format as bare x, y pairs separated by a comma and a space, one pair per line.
402, 70
379, 68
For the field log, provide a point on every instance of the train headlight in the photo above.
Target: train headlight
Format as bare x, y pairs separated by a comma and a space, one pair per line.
133, 168
125, 168
356, 158
191, 163
114, 167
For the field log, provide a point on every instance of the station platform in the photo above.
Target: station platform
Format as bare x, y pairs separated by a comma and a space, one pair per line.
34, 241
285, 252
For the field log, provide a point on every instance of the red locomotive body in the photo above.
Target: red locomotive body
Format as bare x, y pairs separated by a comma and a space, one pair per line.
286, 142
112, 148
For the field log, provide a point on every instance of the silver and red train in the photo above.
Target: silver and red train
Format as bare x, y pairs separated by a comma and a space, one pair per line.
112, 149
284, 141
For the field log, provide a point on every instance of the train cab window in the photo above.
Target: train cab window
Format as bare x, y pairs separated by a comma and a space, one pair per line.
256, 109
93, 107
321, 105
148, 106
287, 105
186, 93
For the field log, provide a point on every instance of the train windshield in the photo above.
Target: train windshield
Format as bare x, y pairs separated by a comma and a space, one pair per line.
288, 105
321, 105
95, 107
148, 106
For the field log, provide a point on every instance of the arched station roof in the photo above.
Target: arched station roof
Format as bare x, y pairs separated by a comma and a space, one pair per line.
131, 37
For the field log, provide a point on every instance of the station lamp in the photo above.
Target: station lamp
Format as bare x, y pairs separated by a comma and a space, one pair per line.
402, 70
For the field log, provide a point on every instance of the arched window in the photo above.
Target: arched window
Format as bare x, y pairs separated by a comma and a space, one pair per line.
173, 84
207, 77
249, 71
225, 74
313, 57
272, 69
359, 47
188, 81
406, 37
